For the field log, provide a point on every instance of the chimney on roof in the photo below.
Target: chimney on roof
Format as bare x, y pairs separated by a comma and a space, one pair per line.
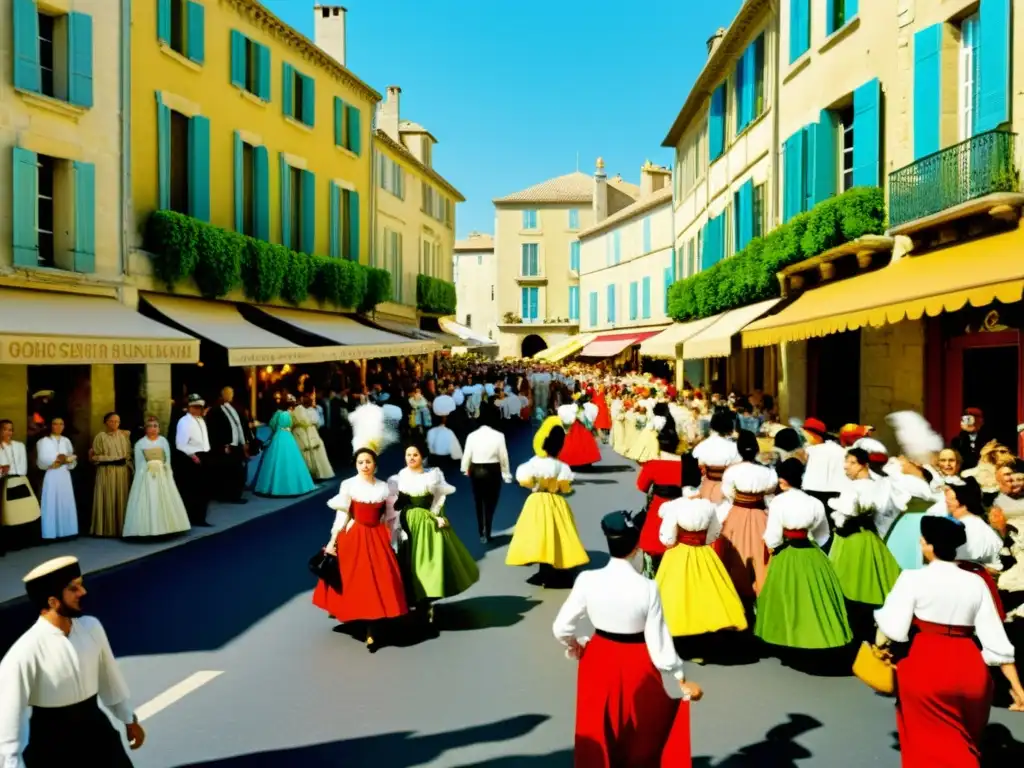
600, 201
329, 31
389, 111
652, 178
715, 40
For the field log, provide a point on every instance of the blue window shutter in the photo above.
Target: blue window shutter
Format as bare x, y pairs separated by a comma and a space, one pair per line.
163, 153
745, 83
355, 129
263, 72
286, 201
335, 219
645, 299
24, 202
633, 292
526, 219
850, 10
830, 16
85, 217
534, 303
793, 193
353, 229
239, 161
524, 301
716, 124
745, 215
825, 158
867, 125
308, 212
196, 31
339, 122
238, 46
994, 102
80, 59
287, 89
738, 82
27, 74
308, 100
593, 308
199, 167
574, 256
927, 85
261, 192
799, 28
163, 21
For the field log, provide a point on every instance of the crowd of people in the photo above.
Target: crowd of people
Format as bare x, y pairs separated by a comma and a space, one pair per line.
808, 542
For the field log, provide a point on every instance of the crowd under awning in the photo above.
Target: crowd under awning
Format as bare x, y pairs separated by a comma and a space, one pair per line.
976, 273
611, 344
51, 328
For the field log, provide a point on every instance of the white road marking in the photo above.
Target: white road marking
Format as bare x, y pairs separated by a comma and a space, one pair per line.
175, 694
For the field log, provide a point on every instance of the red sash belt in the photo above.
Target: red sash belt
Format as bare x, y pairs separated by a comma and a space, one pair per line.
792, 533
989, 582
948, 630
692, 538
714, 474
749, 500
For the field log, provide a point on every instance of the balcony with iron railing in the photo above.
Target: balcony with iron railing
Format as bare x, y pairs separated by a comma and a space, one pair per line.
954, 177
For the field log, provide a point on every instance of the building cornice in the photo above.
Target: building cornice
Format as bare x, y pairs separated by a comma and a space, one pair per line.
657, 199
259, 16
718, 66
426, 170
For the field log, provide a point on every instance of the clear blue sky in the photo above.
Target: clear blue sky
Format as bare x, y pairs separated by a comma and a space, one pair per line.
513, 89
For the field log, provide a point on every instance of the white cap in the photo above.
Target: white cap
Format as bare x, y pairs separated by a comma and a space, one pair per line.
50, 566
443, 405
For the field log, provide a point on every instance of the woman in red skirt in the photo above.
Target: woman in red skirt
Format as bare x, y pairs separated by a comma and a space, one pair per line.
603, 422
624, 716
361, 537
580, 449
943, 684
662, 480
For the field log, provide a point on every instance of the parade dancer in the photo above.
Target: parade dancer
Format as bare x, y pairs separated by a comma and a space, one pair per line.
364, 527
441, 441
944, 690
59, 669
662, 480
580, 449
715, 454
485, 463
624, 717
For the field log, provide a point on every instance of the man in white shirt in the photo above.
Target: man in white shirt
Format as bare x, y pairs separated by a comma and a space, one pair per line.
485, 463
192, 452
825, 473
229, 443
59, 668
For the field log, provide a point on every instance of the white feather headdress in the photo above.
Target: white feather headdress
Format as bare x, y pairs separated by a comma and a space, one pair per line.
917, 440
370, 429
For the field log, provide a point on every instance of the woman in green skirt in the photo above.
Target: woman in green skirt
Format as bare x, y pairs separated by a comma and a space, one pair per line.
438, 565
801, 603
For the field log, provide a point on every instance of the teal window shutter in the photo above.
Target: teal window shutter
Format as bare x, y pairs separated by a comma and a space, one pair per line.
574, 302
163, 153
353, 225
163, 21
199, 167
667, 284
927, 85
339, 122
524, 300
239, 163
196, 15
634, 290
286, 201
308, 212
850, 10
27, 74
335, 219
793, 175
355, 137
799, 28
238, 46
824, 157
867, 126
308, 100
574, 256
645, 298
994, 102
714, 242
287, 89
745, 215
261, 192
739, 81
85, 217
611, 303
830, 17
263, 72
24, 201
593, 308
716, 124
80, 59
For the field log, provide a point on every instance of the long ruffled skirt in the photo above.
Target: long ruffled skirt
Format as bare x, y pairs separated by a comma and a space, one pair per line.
439, 563
697, 595
741, 546
546, 533
371, 582
866, 569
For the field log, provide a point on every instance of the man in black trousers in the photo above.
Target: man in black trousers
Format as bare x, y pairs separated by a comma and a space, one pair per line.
230, 436
485, 462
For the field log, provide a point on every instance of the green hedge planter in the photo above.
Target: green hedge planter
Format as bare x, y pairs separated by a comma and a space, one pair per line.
749, 276
434, 295
220, 261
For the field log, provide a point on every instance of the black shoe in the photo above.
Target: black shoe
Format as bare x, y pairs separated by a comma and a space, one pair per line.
203, 524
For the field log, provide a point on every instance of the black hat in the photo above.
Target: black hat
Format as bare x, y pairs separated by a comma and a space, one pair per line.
945, 534
196, 400
622, 530
792, 471
787, 439
50, 579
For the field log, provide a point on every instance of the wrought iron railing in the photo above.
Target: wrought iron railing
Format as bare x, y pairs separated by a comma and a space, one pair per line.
966, 171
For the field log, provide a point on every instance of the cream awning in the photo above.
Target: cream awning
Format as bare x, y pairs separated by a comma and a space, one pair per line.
568, 347
246, 344
976, 273
441, 338
716, 339
355, 341
665, 343
49, 328
469, 337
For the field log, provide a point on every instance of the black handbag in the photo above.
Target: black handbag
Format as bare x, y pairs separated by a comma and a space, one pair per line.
325, 567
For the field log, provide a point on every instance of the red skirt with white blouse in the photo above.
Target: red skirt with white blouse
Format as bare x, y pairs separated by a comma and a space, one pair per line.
580, 448
944, 693
624, 717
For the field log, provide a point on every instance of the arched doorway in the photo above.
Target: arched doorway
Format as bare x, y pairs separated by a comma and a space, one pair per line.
533, 344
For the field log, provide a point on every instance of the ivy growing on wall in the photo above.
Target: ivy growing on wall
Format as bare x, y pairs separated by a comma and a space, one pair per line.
434, 295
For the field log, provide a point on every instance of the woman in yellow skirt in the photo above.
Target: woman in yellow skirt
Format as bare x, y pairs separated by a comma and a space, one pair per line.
545, 533
697, 594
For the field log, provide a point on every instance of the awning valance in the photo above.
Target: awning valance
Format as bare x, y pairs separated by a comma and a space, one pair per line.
470, 338
611, 344
355, 340
49, 328
221, 323
977, 273
665, 343
568, 347
716, 339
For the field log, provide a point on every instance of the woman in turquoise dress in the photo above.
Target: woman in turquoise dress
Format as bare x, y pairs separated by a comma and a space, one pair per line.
283, 471
437, 563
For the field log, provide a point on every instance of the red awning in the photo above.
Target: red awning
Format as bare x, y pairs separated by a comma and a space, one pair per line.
611, 344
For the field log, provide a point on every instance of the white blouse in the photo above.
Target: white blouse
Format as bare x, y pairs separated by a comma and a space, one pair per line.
543, 468
983, 544
49, 448
943, 593
796, 511
13, 454
858, 498
748, 477
716, 451
689, 513
619, 600
825, 472
357, 489
441, 441
903, 488
429, 481
46, 668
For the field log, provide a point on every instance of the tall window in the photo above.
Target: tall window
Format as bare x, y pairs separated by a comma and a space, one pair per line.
295, 214
574, 218
758, 210
248, 191
593, 309
574, 303
47, 66
179, 163
574, 256
530, 218
530, 266
611, 303
45, 210
390, 176
970, 80
634, 296
846, 160
530, 298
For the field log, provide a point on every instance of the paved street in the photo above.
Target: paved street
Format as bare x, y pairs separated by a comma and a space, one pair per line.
232, 665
